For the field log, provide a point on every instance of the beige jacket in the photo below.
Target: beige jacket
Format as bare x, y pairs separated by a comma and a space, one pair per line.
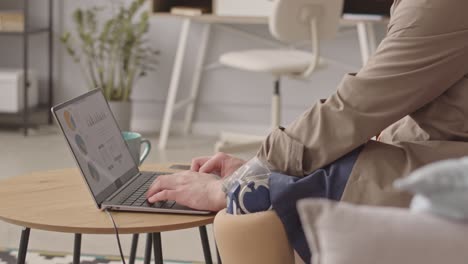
414, 89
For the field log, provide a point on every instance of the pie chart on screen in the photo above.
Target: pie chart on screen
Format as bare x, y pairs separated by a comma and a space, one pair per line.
94, 173
81, 144
69, 120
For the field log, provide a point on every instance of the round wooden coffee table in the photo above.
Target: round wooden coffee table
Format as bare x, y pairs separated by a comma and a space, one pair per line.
59, 201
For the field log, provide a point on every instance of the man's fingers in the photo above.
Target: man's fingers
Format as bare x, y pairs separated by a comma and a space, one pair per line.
214, 164
166, 195
163, 182
198, 162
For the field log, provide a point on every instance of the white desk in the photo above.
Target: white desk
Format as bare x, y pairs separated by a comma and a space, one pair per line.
367, 44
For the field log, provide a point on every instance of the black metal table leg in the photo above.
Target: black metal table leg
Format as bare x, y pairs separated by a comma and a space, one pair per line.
157, 248
77, 249
218, 256
26, 60
133, 250
23, 247
206, 245
149, 243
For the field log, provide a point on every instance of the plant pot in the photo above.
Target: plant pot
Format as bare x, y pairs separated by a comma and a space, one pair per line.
122, 113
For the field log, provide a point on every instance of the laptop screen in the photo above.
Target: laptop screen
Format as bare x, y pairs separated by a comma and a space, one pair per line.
96, 142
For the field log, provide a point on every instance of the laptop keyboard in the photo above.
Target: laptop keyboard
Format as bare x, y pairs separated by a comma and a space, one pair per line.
136, 194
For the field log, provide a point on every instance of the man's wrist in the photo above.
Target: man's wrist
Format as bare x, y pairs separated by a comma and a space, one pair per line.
217, 195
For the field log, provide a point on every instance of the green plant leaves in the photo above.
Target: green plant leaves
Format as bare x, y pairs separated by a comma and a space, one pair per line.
115, 53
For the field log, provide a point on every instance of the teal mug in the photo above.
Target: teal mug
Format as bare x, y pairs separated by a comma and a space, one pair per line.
134, 142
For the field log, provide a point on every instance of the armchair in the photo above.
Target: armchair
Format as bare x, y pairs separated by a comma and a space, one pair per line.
253, 239
343, 233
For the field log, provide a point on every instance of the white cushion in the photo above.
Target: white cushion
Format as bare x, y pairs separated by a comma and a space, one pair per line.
440, 188
275, 61
340, 233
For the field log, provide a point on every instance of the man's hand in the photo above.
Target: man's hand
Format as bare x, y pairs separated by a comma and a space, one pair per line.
196, 190
220, 164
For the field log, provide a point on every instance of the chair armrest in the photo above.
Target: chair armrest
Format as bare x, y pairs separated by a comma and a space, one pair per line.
257, 238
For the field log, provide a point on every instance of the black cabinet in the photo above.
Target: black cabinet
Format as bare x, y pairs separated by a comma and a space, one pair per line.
25, 116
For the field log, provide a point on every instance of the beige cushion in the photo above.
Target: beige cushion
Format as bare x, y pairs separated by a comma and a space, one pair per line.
275, 61
340, 233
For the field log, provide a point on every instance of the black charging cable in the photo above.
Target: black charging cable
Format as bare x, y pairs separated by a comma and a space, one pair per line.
116, 231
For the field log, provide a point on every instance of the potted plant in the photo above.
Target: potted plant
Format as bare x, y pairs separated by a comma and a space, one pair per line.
113, 54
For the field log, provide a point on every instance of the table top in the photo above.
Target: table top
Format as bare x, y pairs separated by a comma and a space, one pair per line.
60, 201
348, 19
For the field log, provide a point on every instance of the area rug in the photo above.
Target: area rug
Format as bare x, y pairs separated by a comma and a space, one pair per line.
8, 256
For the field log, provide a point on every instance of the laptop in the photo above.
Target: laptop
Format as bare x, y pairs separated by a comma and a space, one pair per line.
104, 159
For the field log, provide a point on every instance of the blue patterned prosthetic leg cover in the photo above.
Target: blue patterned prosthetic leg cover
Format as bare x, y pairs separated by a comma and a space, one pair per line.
328, 182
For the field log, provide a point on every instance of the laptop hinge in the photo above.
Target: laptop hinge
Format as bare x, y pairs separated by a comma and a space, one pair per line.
114, 194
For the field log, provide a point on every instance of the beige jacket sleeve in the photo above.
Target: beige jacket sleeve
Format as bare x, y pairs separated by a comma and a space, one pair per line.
423, 55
